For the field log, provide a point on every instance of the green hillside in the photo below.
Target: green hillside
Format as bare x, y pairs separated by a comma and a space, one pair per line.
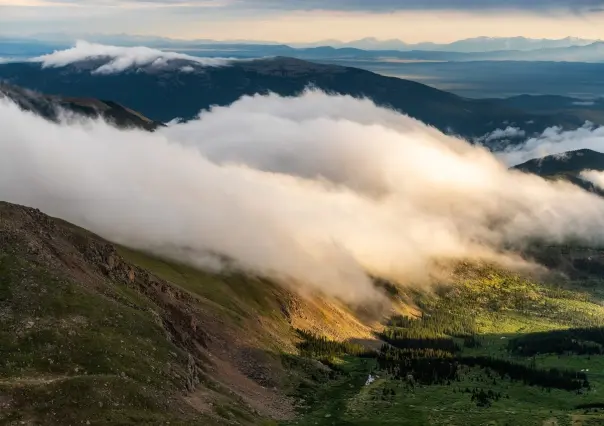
103, 335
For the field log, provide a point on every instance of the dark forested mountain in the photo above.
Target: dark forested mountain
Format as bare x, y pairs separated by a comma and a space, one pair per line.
568, 162
568, 166
50, 107
167, 92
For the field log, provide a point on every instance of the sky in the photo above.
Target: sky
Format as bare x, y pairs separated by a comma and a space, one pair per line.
308, 20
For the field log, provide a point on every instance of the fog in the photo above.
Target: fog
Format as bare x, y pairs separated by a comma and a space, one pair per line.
316, 192
553, 141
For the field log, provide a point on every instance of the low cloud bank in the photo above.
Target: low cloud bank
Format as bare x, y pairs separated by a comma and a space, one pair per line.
593, 176
554, 141
503, 134
317, 191
122, 58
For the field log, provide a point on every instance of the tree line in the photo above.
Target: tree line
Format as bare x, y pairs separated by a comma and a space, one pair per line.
315, 346
579, 341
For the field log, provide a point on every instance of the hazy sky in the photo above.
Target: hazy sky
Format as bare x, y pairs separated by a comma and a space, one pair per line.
309, 20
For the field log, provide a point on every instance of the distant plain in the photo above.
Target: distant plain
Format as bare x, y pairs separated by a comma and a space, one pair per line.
499, 79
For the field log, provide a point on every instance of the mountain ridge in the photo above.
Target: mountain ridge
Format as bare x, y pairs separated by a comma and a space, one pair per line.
51, 107
472, 44
567, 162
468, 45
164, 94
567, 166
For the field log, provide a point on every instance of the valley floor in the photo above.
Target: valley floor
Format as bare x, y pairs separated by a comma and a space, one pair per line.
532, 318
349, 401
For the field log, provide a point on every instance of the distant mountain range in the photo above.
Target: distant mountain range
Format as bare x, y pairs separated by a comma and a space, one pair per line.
469, 45
50, 107
476, 49
166, 92
593, 52
476, 44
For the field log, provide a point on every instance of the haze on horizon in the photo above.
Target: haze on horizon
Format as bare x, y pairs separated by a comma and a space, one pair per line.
412, 21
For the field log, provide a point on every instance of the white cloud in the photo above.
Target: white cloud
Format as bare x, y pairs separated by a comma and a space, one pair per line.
316, 191
554, 141
122, 58
584, 103
593, 176
502, 134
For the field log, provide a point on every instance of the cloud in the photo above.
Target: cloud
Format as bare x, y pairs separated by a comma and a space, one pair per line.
316, 192
555, 140
593, 176
499, 134
122, 58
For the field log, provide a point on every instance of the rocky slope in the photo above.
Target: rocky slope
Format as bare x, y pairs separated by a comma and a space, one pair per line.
98, 334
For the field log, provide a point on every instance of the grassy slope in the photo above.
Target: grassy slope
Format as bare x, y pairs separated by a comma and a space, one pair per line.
71, 356
239, 299
264, 314
88, 339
